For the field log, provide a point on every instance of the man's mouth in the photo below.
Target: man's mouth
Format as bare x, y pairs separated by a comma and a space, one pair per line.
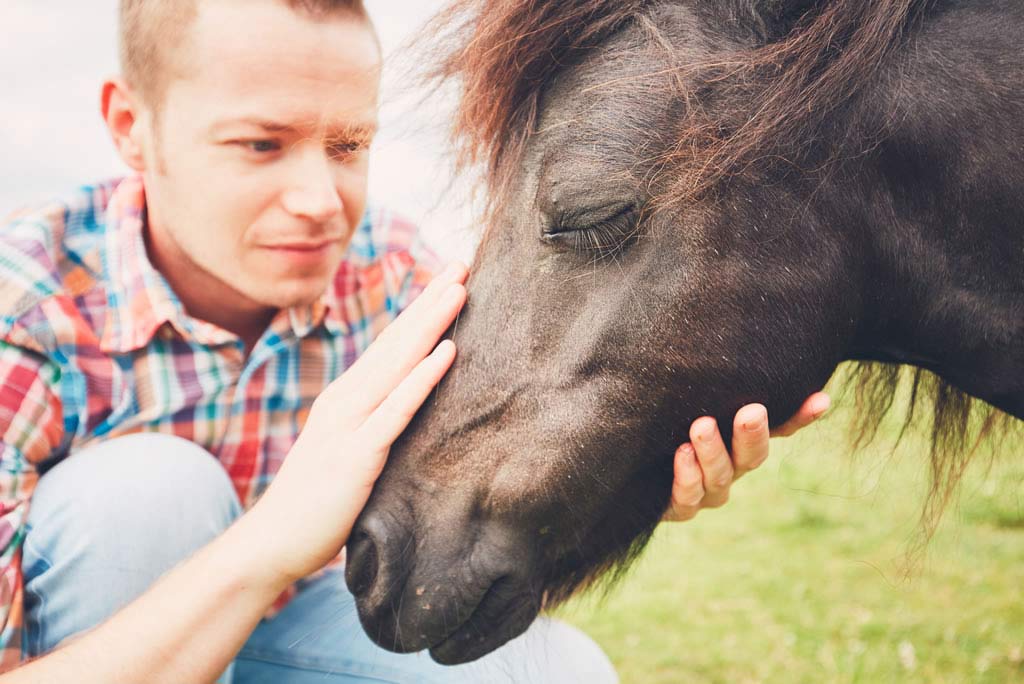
302, 252
303, 246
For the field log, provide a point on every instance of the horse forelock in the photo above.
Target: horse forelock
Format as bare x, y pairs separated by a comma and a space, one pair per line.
503, 53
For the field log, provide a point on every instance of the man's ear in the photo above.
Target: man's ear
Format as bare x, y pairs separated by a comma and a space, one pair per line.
123, 114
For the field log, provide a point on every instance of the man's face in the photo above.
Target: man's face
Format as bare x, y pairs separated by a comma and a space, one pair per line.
256, 162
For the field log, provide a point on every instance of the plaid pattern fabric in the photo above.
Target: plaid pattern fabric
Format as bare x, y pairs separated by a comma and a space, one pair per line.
94, 345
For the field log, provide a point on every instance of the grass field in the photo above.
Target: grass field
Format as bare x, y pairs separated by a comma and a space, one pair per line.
798, 578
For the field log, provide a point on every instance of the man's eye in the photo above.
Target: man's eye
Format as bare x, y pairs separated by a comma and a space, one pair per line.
344, 150
262, 146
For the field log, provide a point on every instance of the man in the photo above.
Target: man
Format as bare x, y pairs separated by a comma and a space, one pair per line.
198, 308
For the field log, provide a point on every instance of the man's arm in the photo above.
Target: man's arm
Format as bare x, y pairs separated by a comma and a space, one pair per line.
31, 429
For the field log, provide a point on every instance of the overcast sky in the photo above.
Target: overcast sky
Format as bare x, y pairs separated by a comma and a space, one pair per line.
55, 54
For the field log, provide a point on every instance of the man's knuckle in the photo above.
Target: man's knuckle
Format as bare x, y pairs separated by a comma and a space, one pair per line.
722, 480
693, 499
691, 481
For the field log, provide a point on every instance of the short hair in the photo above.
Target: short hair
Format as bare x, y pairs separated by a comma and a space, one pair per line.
151, 29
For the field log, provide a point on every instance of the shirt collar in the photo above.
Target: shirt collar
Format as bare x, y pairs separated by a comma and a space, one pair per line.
141, 301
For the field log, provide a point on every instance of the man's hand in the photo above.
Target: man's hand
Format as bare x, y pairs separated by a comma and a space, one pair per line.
326, 479
704, 469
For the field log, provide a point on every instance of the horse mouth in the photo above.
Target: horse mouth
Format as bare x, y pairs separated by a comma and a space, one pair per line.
501, 615
464, 645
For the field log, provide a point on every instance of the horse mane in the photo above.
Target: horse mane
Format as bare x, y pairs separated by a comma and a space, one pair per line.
959, 426
777, 96
503, 53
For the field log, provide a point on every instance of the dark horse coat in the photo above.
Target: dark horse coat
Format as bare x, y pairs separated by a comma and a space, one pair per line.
694, 204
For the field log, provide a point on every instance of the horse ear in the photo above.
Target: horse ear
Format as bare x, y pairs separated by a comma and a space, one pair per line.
780, 17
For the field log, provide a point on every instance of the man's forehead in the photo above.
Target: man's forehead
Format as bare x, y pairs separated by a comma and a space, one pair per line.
281, 71
270, 40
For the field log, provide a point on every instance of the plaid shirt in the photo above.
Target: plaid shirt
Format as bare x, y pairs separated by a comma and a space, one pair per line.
94, 345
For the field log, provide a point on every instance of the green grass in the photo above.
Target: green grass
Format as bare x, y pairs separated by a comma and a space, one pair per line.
799, 578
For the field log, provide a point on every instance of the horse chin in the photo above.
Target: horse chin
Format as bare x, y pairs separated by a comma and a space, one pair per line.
503, 613
484, 633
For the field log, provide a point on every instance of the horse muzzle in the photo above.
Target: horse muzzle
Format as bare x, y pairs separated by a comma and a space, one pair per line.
458, 590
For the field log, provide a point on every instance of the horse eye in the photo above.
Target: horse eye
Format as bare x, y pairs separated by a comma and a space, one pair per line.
584, 218
604, 229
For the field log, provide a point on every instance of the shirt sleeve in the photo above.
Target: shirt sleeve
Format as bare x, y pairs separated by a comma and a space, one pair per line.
31, 429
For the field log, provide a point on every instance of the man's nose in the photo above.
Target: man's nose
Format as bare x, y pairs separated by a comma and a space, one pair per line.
313, 194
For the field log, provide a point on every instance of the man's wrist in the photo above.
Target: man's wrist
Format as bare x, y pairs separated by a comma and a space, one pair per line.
251, 541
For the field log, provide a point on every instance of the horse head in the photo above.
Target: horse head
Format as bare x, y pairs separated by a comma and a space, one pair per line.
694, 205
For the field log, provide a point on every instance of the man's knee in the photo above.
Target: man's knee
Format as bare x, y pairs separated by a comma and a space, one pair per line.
106, 522
137, 488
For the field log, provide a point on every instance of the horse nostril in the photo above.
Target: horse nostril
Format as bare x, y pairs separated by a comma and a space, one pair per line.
377, 553
362, 563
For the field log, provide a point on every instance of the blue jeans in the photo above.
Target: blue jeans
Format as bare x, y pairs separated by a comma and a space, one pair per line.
107, 522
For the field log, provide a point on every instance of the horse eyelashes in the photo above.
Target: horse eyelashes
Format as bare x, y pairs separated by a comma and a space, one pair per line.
601, 239
604, 238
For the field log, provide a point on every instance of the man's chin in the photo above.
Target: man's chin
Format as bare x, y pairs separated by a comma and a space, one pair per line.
289, 294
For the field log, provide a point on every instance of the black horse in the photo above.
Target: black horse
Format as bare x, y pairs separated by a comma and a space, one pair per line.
695, 204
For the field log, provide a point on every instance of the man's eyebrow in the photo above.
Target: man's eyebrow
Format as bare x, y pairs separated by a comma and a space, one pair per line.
353, 131
266, 124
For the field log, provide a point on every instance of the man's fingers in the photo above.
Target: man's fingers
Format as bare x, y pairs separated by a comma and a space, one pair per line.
812, 409
387, 421
704, 469
687, 486
419, 317
749, 439
714, 461
453, 273
402, 344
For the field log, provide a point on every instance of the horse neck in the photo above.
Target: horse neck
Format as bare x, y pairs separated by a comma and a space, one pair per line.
942, 206
948, 295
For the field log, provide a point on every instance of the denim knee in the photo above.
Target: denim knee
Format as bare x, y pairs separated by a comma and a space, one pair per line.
106, 522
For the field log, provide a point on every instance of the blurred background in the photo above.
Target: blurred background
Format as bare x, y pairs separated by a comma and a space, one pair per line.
798, 579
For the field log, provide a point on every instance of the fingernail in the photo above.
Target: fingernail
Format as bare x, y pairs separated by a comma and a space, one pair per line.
687, 452
757, 421
443, 347
822, 408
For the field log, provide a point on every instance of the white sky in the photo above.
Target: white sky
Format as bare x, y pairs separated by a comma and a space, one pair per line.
55, 54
